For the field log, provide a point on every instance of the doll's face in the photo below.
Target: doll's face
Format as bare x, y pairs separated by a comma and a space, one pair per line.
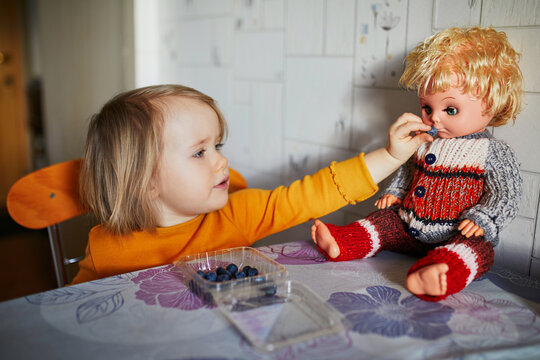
453, 113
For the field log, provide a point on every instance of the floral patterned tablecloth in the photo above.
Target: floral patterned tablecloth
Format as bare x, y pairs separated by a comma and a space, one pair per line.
151, 314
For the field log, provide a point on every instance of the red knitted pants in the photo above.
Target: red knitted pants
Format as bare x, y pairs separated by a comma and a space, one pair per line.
467, 258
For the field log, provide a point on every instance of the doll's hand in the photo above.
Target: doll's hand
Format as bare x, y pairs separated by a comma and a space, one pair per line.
468, 228
387, 201
401, 145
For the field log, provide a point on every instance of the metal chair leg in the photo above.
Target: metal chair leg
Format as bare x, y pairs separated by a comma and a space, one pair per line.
57, 255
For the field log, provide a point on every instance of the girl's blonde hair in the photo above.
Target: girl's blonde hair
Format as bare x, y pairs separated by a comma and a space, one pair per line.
122, 155
484, 62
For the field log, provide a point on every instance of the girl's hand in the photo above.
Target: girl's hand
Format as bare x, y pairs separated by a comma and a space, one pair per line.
387, 201
468, 228
401, 145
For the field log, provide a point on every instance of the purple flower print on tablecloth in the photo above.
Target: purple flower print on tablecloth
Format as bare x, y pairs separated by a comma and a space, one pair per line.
164, 287
382, 312
296, 253
492, 321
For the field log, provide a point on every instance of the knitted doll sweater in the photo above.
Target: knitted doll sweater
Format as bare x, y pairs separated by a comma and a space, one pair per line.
472, 177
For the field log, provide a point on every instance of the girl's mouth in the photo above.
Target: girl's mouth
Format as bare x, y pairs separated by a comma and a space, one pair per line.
224, 184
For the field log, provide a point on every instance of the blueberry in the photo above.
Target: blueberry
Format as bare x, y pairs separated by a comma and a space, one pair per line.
432, 131
223, 277
246, 269
200, 272
252, 271
232, 268
239, 275
220, 270
210, 276
269, 290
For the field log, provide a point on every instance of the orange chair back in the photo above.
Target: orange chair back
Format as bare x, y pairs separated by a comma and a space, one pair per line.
47, 196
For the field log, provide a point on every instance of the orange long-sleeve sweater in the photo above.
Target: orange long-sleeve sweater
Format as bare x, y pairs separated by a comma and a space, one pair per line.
249, 215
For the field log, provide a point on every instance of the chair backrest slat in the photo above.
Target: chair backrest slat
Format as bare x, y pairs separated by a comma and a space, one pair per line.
47, 196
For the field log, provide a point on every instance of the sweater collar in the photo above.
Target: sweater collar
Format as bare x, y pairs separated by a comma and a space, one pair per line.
479, 135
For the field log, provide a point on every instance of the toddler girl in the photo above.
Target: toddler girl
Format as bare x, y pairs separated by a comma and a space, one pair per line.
154, 175
453, 197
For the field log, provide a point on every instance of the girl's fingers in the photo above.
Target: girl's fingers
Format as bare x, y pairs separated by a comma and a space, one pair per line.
405, 129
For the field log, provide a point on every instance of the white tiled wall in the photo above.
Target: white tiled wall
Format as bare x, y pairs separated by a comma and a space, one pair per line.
304, 82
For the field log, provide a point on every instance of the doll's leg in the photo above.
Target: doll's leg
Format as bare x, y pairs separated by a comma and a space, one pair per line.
381, 230
448, 269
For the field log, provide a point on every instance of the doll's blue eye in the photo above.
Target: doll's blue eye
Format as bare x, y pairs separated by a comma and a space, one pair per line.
451, 111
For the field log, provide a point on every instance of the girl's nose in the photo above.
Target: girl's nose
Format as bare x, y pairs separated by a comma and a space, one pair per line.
221, 162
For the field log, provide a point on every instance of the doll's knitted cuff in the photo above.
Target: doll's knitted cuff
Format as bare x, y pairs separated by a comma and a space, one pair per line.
354, 241
459, 272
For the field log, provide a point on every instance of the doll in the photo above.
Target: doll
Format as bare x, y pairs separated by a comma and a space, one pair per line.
449, 202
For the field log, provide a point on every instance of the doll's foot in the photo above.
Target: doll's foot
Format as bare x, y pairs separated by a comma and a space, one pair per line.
323, 238
429, 280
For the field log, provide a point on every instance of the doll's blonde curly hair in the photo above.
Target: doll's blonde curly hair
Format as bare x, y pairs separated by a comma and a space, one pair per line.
484, 62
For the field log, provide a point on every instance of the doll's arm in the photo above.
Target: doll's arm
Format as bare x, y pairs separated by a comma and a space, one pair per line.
398, 187
502, 192
401, 182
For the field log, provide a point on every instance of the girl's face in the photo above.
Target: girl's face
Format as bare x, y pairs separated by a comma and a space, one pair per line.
193, 177
453, 113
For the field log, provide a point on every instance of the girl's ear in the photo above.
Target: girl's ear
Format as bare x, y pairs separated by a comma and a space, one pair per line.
153, 191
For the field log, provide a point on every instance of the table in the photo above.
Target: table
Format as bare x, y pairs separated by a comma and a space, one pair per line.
151, 314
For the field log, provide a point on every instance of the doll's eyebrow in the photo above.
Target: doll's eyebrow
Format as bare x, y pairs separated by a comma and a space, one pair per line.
449, 97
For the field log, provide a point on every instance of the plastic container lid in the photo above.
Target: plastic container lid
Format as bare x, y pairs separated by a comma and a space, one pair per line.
274, 315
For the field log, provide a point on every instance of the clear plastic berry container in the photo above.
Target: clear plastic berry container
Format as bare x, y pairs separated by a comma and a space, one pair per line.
268, 309
269, 271
274, 315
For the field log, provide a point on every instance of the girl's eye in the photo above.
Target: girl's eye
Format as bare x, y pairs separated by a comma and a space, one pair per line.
451, 111
219, 147
427, 109
199, 153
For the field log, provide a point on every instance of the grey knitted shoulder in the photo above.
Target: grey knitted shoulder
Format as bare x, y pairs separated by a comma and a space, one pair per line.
502, 195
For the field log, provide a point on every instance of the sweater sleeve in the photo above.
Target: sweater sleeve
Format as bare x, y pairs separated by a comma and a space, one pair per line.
259, 213
401, 182
502, 192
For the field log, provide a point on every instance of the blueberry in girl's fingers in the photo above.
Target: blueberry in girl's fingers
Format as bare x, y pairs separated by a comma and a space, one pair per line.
232, 268
432, 131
